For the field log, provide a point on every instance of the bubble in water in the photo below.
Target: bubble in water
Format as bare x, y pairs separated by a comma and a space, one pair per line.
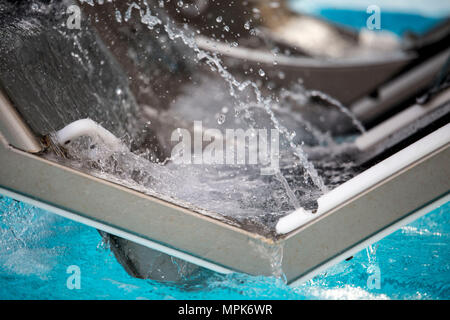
247, 25
261, 72
219, 19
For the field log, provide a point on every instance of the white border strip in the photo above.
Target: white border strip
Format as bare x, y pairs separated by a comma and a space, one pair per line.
117, 232
371, 240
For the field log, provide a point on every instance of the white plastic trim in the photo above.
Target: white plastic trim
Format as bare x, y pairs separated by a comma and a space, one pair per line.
367, 179
90, 128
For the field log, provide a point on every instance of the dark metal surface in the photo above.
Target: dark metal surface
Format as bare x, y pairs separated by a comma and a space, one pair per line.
55, 75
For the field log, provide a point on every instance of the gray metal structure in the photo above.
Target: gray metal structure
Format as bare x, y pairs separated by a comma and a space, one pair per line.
204, 241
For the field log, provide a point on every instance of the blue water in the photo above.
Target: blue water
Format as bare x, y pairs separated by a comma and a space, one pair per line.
396, 22
37, 247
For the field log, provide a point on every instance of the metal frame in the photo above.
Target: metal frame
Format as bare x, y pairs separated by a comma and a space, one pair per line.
213, 244
400, 89
371, 240
361, 75
375, 212
14, 128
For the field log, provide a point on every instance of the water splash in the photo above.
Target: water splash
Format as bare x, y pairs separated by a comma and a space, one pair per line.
237, 194
342, 108
216, 65
274, 253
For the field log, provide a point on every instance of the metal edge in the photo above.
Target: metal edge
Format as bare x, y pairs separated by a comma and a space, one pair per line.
254, 55
399, 89
14, 129
368, 179
224, 245
369, 207
372, 239
115, 231
138, 217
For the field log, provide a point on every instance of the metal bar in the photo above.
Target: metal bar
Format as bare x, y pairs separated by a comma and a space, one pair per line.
370, 213
214, 244
399, 121
368, 179
115, 231
371, 240
110, 207
14, 128
401, 88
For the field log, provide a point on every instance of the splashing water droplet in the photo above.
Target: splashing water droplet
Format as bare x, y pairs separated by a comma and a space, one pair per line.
118, 16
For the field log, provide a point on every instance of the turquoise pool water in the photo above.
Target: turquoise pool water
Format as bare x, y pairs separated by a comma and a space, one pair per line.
414, 17
37, 247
